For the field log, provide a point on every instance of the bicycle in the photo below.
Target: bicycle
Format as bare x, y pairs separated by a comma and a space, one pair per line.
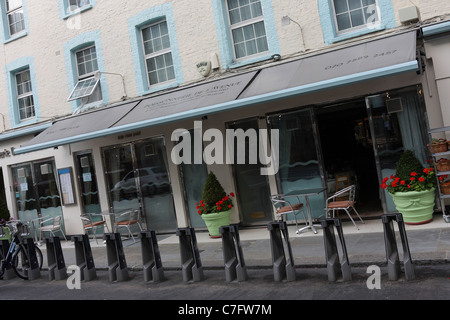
17, 256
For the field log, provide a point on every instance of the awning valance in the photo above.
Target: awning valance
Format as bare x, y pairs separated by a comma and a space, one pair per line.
371, 59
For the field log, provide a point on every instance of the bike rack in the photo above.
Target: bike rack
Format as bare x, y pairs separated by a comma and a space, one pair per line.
56, 264
34, 271
9, 272
117, 265
392, 255
334, 267
84, 258
279, 237
233, 257
190, 257
151, 258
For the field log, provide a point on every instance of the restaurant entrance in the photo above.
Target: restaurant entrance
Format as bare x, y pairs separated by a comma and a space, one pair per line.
348, 152
362, 139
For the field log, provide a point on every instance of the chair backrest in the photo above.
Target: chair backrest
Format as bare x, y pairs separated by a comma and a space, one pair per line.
342, 180
86, 220
57, 221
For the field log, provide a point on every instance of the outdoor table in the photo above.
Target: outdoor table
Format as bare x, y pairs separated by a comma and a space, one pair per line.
306, 194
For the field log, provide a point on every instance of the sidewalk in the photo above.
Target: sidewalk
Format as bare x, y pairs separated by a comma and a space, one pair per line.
428, 243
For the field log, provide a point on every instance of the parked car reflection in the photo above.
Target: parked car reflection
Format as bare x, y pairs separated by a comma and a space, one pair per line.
153, 180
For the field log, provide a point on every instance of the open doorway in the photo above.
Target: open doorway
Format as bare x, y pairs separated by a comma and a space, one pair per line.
347, 149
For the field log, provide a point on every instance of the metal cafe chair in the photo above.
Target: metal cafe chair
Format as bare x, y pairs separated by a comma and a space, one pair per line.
283, 207
90, 225
127, 219
334, 203
55, 226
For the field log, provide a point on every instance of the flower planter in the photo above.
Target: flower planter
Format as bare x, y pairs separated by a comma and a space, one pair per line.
214, 221
417, 207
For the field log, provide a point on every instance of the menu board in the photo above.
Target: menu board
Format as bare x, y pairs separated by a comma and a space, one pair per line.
66, 185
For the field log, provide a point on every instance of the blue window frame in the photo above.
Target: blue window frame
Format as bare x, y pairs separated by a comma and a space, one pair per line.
23, 100
246, 31
69, 8
84, 43
154, 47
14, 19
345, 19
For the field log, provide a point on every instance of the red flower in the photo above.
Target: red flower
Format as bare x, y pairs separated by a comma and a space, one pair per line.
412, 179
232, 194
421, 179
414, 173
402, 182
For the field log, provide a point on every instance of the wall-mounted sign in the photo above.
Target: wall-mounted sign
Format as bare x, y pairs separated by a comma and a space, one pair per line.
66, 185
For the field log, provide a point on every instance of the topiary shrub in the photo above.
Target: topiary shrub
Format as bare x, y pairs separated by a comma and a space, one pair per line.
214, 198
408, 163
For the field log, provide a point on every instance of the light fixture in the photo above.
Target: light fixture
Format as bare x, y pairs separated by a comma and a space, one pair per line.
286, 20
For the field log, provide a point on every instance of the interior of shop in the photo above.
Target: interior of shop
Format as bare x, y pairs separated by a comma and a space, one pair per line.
348, 154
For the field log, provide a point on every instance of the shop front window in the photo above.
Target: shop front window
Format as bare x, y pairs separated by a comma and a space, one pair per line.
299, 167
36, 190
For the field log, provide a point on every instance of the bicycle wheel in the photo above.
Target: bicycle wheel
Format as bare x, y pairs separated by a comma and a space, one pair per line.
21, 262
39, 256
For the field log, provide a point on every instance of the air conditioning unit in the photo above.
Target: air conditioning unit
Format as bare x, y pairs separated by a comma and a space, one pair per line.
394, 105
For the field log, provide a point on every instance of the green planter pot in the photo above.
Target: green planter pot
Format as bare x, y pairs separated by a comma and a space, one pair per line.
214, 221
417, 207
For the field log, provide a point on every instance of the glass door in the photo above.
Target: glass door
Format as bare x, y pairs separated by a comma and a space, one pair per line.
154, 185
120, 178
253, 193
88, 182
193, 177
300, 166
137, 178
394, 130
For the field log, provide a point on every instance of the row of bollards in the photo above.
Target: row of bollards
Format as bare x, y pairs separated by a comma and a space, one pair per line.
235, 267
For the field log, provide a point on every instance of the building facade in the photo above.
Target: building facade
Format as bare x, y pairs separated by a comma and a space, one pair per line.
95, 91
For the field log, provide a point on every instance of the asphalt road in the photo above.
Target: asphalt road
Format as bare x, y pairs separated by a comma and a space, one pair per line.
432, 283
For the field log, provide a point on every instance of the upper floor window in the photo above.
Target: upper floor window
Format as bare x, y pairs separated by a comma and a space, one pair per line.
25, 101
75, 5
88, 86
157, 53
14, 16
355, 14
22, 92
345, 19
247, 28
154, 48
69, 8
